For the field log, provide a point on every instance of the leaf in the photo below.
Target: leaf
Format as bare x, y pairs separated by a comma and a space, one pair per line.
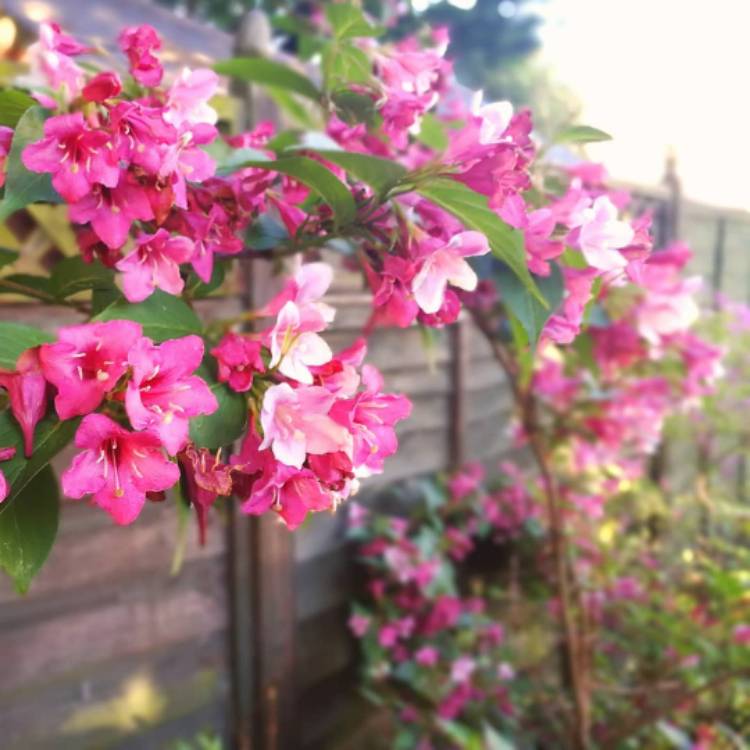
344, 64
348, 22
21, 186
8, 256
432, 133
269, 73
493, 740
50, 437
381, 175
582, 134
198, 289
234, 159
319, 179
28, 529
15, 338
293, 106
527, 309
471, 209
354, 108
74, 275
227, 423
13, 103
161, 315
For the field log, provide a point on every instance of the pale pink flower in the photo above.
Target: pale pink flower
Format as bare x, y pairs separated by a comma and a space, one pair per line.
462, 669
445, 265
188, 96
296, 422
295, 346
600, 234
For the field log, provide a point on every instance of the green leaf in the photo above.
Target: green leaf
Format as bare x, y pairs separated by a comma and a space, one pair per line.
319, 179
348, 22
472, 210
50, 437
269, 73
13, 103
74, 275
28, 529
15, 338
21, 186
354, 108
198, 289
344, 64
493, 740
227, 423
582, 134
381, 175
432, 133
293, 106
8, 256
161, 315
527, 309
235, 158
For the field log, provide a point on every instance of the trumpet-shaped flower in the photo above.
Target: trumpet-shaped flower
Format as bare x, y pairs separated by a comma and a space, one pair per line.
139, 43
296, 422
117, 467
76, 156
5, 455
163, 393
600, 234
446, 264
86, 362
239, 358
154, 263
27, 391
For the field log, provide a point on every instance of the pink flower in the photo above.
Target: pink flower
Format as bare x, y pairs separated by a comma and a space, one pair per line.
205, 477
295, 345
392, 301
466, 481
264, 484
163, 393
112, 211
102, 86
154, 263
27, 390
741, 635
427, 656
51, 62
296, 422
359, 624
187, 98
306, 289
6, 137
445, 265
76, 156
5, 455
462, 669
86, 362
239, 358
138, 43
599, 233
371, 416
117, 467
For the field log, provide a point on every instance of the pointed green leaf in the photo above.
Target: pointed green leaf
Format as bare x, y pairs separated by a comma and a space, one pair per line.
13, 103
73, 275
269, 73
227, 423
28, 529
161, 315
380, 174
527, 309
21, 186
582, 134
15, 338
348, 21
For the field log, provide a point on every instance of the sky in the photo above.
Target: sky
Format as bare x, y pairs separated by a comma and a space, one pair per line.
660, 76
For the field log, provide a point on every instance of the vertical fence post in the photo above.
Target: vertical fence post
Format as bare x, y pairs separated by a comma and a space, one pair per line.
717, 272
457, 413
261, 565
